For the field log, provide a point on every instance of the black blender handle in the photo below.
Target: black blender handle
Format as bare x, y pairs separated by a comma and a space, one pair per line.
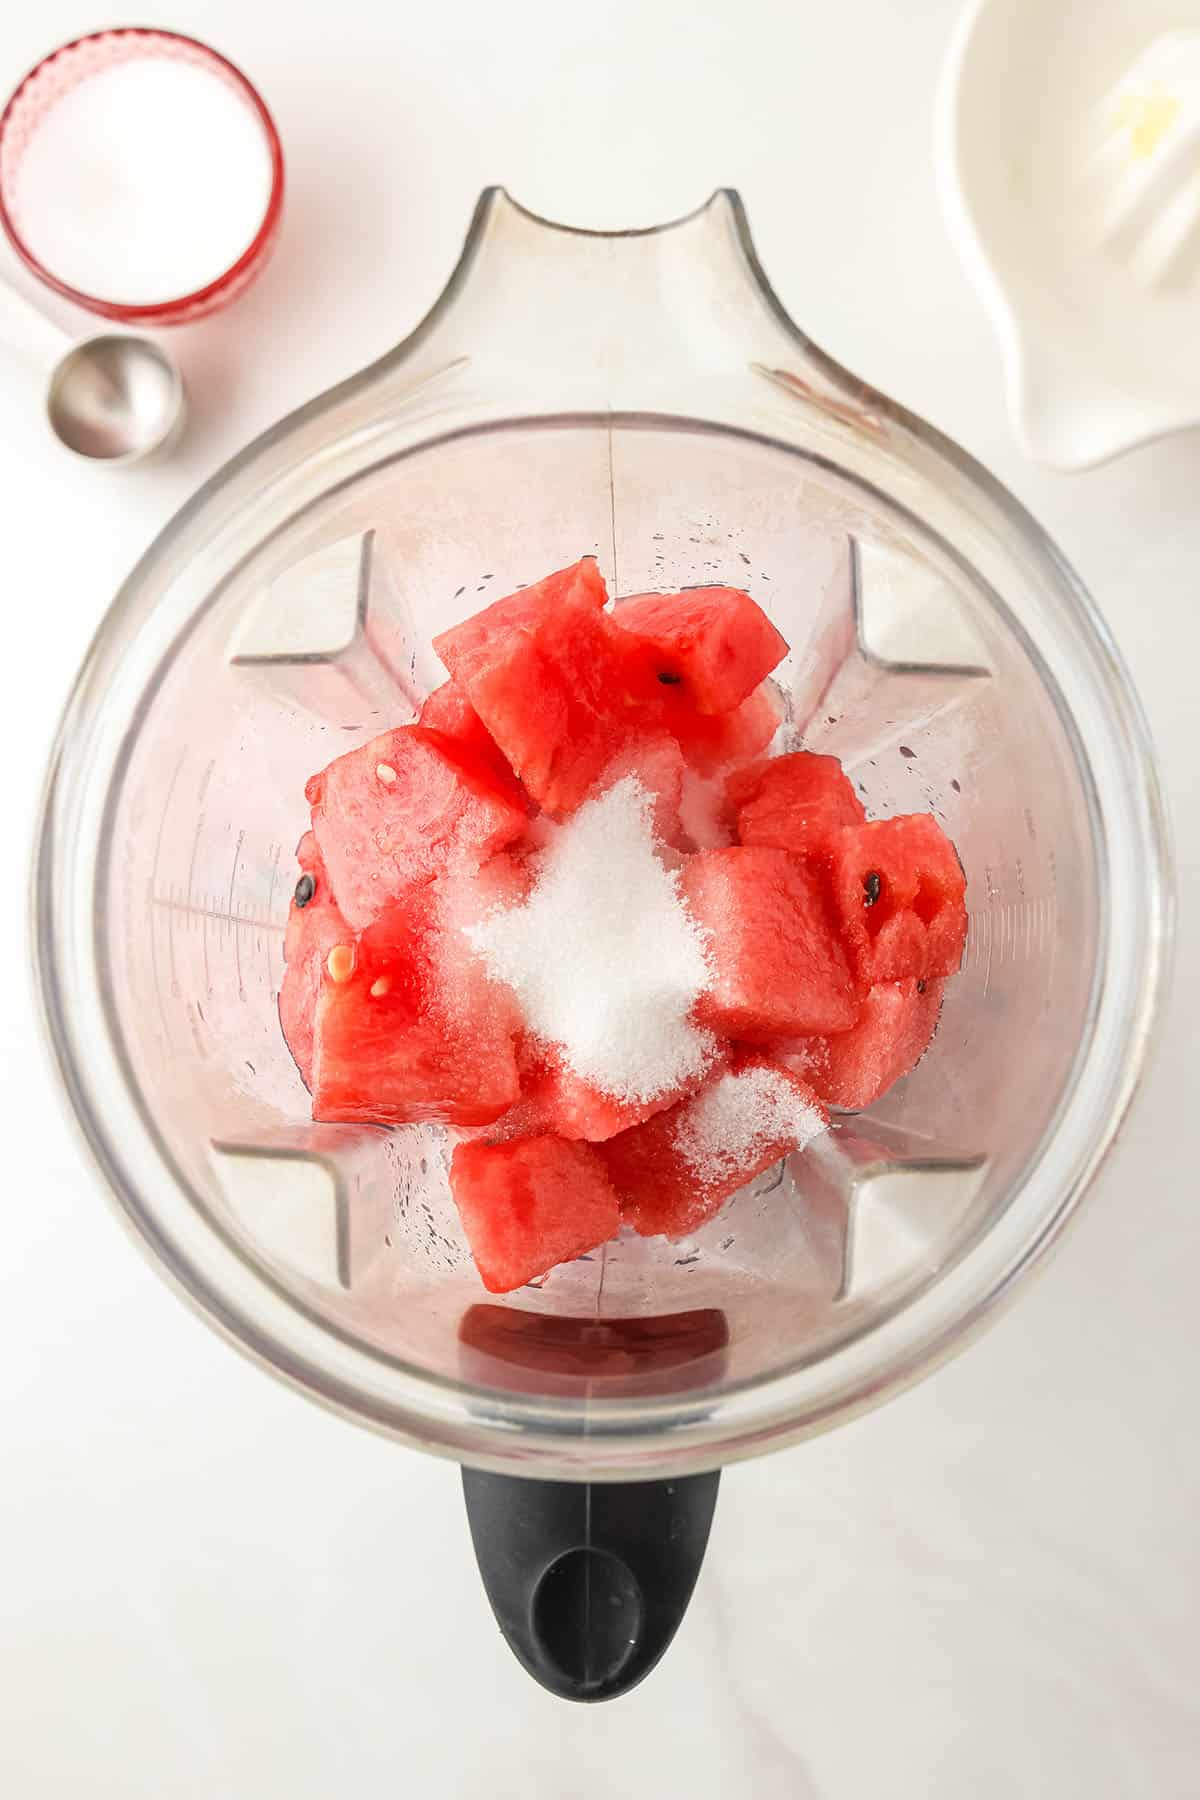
589, 1581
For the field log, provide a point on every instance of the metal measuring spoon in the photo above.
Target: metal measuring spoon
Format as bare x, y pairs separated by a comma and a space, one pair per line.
114, 398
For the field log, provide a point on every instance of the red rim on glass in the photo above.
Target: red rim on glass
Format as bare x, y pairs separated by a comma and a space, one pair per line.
64, 69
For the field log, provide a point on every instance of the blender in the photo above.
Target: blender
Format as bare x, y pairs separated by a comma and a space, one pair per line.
644, 397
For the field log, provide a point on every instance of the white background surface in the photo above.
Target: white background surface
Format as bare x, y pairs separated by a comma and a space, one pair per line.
207, 1586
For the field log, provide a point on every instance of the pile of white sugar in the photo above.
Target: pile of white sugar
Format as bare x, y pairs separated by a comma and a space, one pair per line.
145, 182
603, 956
736, 1120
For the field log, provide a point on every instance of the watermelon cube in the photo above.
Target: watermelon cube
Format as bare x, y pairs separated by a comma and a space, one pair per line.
555, 1099
529, 1205
715, 644
314, 927
894, 1030
577, 588
397, 812
576, 1109
675, 1172
704, 814
778, 968
898, 890
658, 763
711, 742
555, 682
410, 1028
799, 802
468, 893
449, 711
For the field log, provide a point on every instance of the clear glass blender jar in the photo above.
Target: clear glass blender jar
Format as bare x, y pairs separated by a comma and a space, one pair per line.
644, 397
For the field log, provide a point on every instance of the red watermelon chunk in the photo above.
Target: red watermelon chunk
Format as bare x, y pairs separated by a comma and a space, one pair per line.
579, 587
577, 1109
675, 1172
716, 644
314, 926
898, 890
704, 814
894, 1030
778, 967
554, 1098
467, 895
528, 1205
658, 763
555, 682
449, 711
501, 882
798, 802
713, 742
409, 1027
397, 812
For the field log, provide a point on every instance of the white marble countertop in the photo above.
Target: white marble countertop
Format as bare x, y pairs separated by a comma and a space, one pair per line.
208, 1587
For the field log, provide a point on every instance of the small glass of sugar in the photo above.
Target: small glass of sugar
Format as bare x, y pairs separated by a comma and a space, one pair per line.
141, 176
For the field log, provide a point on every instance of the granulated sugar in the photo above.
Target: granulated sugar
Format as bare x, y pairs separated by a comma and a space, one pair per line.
739, 1118
604, 958
145, 182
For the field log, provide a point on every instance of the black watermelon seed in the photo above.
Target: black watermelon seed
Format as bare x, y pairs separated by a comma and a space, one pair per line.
668, 679
906, 752
871, 887
920, 987
306, 887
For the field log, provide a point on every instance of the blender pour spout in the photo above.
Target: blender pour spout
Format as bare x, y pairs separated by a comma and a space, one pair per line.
589, 1580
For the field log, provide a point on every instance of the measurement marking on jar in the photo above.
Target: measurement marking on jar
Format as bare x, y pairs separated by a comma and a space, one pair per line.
201, 797
196, 909
192, 1012
276, 853
158, 844
237, 942
158, 993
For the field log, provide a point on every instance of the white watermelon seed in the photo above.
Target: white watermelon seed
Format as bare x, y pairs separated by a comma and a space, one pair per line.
340, 962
